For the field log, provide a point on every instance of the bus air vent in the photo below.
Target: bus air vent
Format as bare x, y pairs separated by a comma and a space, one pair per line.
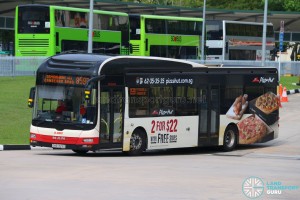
44, 43
33, 53
135, 48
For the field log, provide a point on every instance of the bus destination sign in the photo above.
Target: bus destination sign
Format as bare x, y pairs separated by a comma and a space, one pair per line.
65, 79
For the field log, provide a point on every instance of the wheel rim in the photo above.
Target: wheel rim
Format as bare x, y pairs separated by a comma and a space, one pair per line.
136, 142
229, 138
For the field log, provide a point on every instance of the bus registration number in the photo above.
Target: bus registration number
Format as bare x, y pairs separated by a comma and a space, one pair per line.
59, 146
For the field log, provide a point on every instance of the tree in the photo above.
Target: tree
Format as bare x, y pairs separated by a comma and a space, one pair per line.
276, 5
291, 5
273, 5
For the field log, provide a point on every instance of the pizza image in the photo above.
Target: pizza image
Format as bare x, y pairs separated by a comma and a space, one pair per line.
267, 102
251, 129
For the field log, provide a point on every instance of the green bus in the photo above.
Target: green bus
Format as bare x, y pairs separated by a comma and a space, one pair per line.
45, 30
165, 36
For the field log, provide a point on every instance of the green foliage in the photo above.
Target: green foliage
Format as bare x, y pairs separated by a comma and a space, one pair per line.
291, 5
236, 5
15, 115
273, 5
276, 5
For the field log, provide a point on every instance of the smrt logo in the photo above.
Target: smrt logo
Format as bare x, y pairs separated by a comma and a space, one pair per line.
263, 80
175, 38
96, 33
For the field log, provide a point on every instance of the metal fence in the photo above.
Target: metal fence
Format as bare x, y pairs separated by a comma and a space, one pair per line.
27, 66
19, 66
285, 68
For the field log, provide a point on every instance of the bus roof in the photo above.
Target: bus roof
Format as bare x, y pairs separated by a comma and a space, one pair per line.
243, 22
95, 65
76, 9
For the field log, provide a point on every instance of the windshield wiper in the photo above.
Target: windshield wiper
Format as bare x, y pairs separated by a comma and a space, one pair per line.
40, 121
61, 122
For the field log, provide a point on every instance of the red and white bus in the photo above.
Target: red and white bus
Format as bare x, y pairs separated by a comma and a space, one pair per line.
88, 102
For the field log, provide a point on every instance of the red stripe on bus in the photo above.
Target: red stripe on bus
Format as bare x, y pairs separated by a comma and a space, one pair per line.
53, 139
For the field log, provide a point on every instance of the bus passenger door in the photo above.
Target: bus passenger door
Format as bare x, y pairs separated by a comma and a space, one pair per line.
111, 117
208, 115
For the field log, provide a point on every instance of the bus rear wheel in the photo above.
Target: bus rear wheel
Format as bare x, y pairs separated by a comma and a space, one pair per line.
137, 143
230, 138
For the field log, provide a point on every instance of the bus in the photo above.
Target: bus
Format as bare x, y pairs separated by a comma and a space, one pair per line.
237, 40
295, 55
42, 30
89, 102
165, 36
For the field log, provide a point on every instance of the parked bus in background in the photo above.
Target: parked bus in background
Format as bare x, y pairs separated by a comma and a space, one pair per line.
295, 55
88, 102
165, 36
237, 40
42, 30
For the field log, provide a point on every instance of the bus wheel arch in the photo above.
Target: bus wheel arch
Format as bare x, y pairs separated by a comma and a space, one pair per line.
230, 139
138, 141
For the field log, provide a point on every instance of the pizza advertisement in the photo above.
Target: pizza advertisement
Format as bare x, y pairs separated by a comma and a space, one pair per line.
252, 129
266, 107
238, 107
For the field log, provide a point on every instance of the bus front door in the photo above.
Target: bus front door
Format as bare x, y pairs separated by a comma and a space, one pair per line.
111, 117
209, 103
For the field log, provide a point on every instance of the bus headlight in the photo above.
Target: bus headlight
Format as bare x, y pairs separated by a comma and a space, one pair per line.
32, 136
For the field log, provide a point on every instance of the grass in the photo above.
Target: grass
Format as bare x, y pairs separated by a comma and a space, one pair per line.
16, 116
287, 81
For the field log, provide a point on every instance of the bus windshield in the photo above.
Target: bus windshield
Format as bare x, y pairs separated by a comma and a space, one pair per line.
214, 30
162, 26
34, 19
64, 104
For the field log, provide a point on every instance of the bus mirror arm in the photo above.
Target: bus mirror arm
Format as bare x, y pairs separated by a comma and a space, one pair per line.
94, 79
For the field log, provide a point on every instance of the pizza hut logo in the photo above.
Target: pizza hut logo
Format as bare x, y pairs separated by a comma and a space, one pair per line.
155, 112
255, 80
263, 80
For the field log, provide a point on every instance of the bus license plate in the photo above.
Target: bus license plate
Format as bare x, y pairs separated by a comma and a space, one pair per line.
59, 146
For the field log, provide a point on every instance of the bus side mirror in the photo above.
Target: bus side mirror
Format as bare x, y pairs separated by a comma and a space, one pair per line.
31, 97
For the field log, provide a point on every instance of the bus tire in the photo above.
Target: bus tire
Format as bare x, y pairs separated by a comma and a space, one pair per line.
138, 143
230, 138
80, 151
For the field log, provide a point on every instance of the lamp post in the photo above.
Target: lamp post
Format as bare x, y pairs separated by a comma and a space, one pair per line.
264, 34
203, 32
90, 39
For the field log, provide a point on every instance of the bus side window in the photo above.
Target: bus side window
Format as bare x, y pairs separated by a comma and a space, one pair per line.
138, 102
186, 100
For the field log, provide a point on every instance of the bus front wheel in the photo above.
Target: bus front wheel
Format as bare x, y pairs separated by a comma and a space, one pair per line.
137, 143
80, 151
230, 138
